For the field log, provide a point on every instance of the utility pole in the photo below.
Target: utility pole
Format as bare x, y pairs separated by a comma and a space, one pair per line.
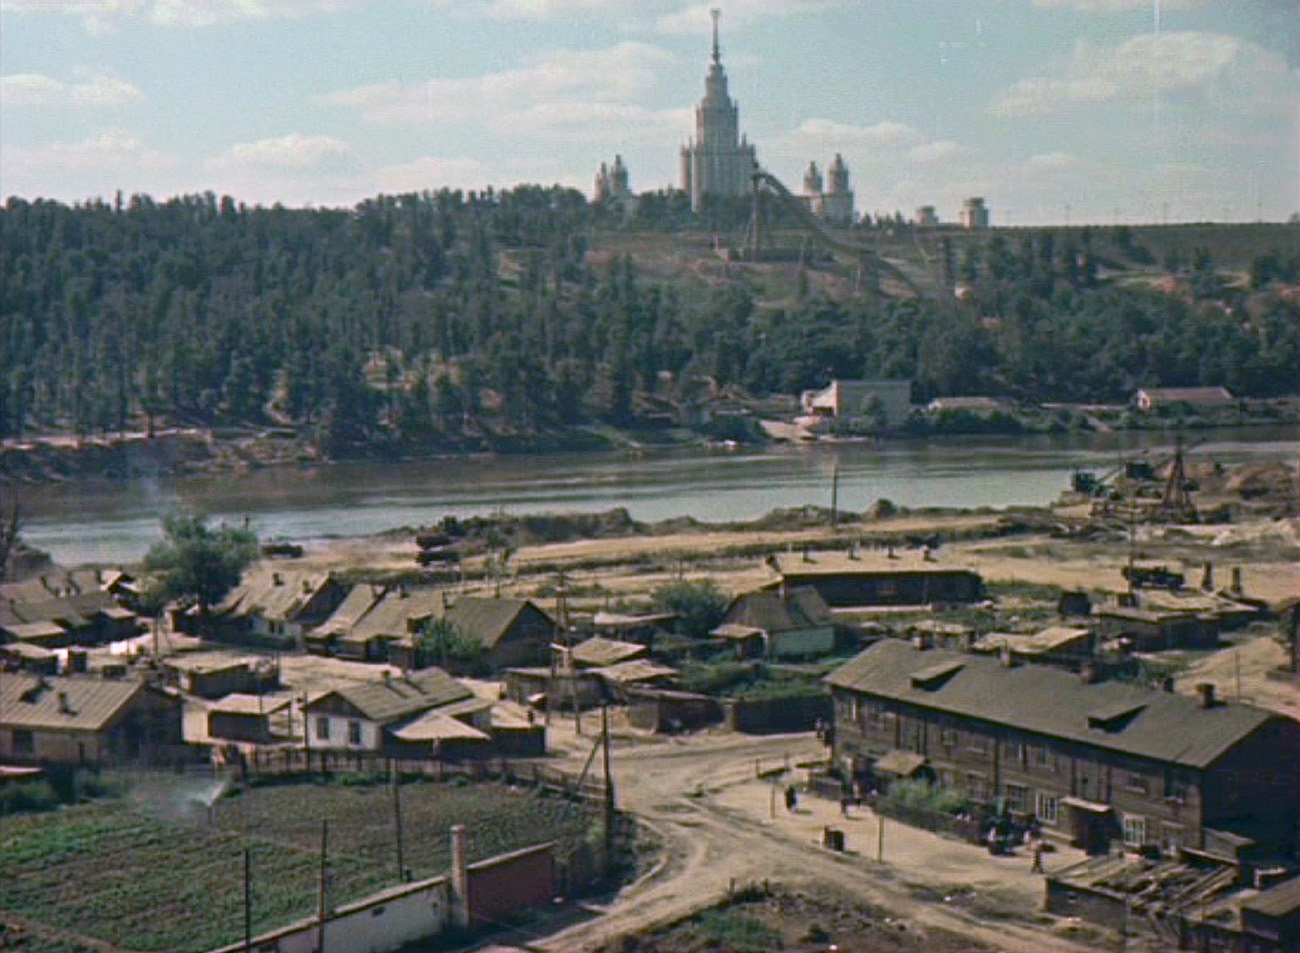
835, 493
880, 837
248, 900
320, 887
609, 785
397, 818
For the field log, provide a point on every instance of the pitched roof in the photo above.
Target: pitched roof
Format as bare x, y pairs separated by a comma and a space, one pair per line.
397, 613
274, 595
394, 698
800, 608
601, 651
1279, 900
1113, 715
81, 703
360, 599
635, 670
487, 619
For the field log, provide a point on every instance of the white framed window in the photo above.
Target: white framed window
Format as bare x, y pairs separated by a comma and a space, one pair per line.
322, 728
948, 737
1135, 830
1135, 781
1040, 756
1046, 807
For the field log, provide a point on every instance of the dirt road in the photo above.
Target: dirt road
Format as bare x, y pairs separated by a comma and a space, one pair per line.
673, 786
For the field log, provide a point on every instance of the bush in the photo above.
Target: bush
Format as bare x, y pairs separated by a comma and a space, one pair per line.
736, 931
929, 797
28, 797
699, 605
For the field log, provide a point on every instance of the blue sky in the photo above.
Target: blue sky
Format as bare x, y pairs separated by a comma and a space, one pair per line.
1054, 110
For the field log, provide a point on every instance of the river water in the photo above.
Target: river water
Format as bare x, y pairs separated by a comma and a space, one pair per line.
115, 521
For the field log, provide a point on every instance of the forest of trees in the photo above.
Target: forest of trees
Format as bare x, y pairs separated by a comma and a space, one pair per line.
413, 319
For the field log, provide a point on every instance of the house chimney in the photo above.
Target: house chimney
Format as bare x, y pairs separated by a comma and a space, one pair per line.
1236, 580
1207, 577
921, 641
1167, 683
388, 676
277, 579
459, 912
1089, 674
306, 585
1206, 691
65, 707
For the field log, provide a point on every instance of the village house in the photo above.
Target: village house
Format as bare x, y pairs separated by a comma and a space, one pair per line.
886, 403
1089, 759
57, 610
371, 620
1150, 629
877, 579
85, 720
248, 718
1065, 646
781, 623
1150, 399
278, 606
598, 652
420, 714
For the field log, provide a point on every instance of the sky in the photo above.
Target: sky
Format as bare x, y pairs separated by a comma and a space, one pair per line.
1055, 111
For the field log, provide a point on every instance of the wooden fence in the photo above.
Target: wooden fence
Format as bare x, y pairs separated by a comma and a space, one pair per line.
288, 762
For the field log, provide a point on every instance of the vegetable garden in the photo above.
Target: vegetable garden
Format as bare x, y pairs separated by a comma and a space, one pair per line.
136, 876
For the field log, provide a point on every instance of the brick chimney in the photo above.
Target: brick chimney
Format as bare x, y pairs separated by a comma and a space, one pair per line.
1206, 692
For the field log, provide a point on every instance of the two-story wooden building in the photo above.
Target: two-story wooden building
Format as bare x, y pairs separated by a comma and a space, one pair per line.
1090, 759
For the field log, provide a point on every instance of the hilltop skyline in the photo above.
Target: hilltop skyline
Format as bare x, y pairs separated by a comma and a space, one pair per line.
1056, 111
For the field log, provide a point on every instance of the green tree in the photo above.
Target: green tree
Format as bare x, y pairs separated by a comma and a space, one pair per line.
442, 643
699, 604
200, 562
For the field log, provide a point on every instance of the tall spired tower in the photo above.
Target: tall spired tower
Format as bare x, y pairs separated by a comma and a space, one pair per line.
720, 161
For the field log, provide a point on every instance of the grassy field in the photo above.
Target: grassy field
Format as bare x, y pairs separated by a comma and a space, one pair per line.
143, 875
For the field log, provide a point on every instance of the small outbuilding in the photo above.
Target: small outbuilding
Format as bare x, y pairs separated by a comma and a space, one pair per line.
878, 579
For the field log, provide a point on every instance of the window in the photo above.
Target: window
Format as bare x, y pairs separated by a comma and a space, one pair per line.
977, 787
354, 732
1173, 837
24, 741
1135, 781
1135, 830
855, 709
975, 742
1175, 788
1040, 756
1014, 751
948, 737
1017, 798
322, 728
879, 718
1046, 808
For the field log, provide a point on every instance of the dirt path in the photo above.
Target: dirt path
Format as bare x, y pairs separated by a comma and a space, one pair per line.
699, 795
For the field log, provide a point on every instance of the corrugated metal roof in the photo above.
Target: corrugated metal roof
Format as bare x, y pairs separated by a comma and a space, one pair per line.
64, 703
1169, 727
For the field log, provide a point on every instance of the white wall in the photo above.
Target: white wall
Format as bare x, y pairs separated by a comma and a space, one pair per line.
381, 924
371, 736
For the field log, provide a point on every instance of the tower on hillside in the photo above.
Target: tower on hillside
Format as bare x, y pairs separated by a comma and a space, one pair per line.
812, 189
611, 184
720, 161
837, 203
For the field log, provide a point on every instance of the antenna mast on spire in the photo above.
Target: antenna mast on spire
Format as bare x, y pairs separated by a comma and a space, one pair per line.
715, 13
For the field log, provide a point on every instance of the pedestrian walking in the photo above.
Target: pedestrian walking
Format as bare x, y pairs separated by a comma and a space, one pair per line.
1036, 854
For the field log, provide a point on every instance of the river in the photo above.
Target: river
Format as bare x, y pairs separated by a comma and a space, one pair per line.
115, 521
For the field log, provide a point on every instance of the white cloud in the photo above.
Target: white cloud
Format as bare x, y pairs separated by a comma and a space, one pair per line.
290, 152
37, 89
823, 135
112, 159
581, 93
1229, 70
1050, 164
694, 20
434, 172
1119, 6
942, 150
101, 16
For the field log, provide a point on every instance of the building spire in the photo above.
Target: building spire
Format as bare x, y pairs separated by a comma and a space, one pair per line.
715, 13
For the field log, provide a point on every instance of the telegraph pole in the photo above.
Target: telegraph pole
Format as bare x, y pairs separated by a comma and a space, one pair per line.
397, 818
321, 908
248, 900
609, 785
